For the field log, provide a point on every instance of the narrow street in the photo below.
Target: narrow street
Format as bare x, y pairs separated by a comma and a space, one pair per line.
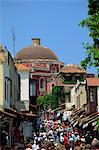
49, 75
55, 134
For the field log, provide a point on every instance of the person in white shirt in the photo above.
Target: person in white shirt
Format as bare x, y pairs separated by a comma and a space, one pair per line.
34, 146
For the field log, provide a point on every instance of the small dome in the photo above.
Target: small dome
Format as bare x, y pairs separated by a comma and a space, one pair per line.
71, 68
35, 51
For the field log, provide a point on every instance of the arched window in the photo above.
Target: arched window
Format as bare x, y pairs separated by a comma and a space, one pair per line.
53, 85
42, 84
54, 70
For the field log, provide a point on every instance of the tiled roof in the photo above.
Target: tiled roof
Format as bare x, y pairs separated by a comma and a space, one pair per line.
92, 81
22, 67
35, 52
71, 68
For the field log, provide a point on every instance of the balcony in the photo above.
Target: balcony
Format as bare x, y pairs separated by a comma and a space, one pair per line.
22, 105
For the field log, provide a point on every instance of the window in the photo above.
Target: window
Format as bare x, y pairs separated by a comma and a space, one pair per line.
92, 94
54, 69
42, 84
32, 88
8, 90
5, 89
53, 85
11, 89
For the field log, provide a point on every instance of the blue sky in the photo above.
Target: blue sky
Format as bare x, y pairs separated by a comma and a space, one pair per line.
56, 22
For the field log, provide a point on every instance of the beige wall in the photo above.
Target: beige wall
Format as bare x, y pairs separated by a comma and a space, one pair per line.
80, 96
14, 76
8, 74
1, 86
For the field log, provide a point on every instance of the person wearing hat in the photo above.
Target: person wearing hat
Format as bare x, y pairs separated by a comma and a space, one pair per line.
34, 145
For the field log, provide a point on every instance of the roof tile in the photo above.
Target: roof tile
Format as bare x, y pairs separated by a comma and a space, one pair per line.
92, 81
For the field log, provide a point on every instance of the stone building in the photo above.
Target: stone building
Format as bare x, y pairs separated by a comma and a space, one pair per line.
36, 63
69, 75
92, 88
9, 94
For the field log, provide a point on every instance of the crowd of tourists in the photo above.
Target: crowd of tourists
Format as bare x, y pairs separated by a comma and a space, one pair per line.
62, 136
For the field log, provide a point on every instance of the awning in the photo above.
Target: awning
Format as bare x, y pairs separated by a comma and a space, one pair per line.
85, 125
62, 104
88, 117
33, 106
8, 114
77, 114
62, 111
28, 114
12, 111
75, 123
96, 127
94, 119
91, 120
59, 108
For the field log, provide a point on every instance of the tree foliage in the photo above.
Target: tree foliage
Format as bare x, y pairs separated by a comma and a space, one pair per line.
92, 23
51, 100
59, 93
47, 101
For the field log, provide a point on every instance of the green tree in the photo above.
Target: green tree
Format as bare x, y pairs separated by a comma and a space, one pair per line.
51, 100
92, 23
58, 93
47, 101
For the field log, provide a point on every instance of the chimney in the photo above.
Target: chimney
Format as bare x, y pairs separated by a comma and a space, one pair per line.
36, 41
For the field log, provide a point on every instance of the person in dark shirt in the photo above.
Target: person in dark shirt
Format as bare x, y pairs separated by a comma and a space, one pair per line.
88, 138
3, 138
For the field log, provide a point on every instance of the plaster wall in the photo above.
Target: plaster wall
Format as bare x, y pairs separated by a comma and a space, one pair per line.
1, 87
24, 81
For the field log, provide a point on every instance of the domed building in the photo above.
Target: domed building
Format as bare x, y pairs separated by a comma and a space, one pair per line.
36, 63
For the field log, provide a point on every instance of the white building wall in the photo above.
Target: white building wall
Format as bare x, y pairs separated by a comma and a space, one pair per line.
73, 96
24, 81
82, 95
98, 99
